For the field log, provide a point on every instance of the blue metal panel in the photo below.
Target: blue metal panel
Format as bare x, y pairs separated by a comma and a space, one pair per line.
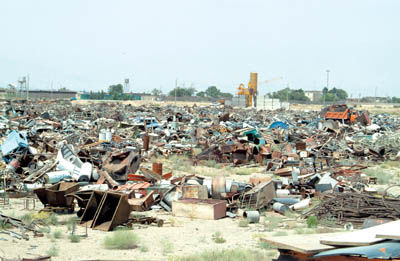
279, 124
386, 250
15, 142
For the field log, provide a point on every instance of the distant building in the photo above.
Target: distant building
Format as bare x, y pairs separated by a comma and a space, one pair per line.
314, 95
38, 94
375, 99
144, 96
352, 100
132, 96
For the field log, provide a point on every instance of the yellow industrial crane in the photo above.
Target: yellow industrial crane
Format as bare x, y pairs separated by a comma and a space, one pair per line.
250, 93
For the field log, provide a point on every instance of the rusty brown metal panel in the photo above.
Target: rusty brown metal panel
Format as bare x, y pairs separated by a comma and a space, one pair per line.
195, 191
146, 142
218, 186
276, 155
157, 167
113, 211
141, 204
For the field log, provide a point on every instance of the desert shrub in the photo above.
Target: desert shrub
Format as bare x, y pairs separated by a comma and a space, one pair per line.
122, 239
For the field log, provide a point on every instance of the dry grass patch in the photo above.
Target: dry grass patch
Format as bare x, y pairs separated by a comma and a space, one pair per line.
122, 239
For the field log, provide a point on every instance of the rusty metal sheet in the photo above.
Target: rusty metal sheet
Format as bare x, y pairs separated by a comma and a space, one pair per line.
131, 187
54, 196
112, 211
195, 191
276, 155
120, 164
228, 148
141, 204
259, 196
283, 172
301, 145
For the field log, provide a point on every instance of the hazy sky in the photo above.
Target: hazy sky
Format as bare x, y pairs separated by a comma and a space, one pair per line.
89, 45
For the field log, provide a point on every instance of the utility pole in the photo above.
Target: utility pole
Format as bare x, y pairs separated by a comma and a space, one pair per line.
327, 85
327, 78
176, 86
287, 93
27, 88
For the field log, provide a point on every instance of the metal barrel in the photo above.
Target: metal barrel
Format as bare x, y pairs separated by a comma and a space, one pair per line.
279, 207
287, 201
252, 216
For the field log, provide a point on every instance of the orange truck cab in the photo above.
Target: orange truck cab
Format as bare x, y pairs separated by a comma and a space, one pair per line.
345, 114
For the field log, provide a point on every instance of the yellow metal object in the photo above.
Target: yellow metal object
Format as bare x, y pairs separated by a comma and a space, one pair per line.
250, 92
253, 83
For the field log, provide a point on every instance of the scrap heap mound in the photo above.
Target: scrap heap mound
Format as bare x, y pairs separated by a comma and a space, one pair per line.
106, 159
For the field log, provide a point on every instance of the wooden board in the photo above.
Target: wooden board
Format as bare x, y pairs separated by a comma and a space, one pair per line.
307, 244
363, 237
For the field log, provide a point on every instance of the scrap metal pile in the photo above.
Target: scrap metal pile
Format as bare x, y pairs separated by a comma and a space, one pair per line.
355, 207
98, 158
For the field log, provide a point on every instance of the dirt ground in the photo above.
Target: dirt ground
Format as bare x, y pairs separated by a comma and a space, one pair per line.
187, 236
184, 236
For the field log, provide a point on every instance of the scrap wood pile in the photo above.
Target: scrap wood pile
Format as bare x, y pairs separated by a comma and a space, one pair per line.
352, 207
98, 158
6, 221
